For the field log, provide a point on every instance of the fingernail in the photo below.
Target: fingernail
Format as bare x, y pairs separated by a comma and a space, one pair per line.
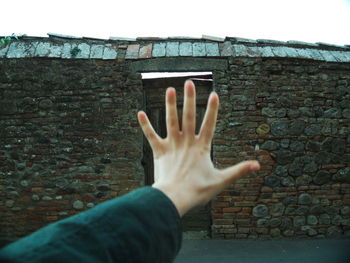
255, 166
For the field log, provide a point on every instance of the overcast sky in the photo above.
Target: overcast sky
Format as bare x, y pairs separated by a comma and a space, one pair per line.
304, 20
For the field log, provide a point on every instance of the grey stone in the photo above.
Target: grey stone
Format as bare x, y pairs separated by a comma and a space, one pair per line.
281, 170
302, 210
295, 169
262, 222
158, 50
24, 183
317, 210
323, 157
260, 211
185, 49
275, 222
21, 49
55, 51
334, 231
268, 112
288, 181
312, 232
310, 167
279, 128
109, 52
337, 220
272, 180
45, 104
103, 187
277, 209
42, 49
303, 180
285, 143
281, 113
327, 144
288, 233
270, 145
343, 175
3, 50
275, 232
212, 49
199, 49
286, 223
90, 205
66, 49
313, 146
84, 51
312, 220
322, 177
266, 51
338, 146
172, 49
284, 157
346, 113
9, 203
297, 127
78, 205
345, 210
96, 51
296, 146
304, 199
324, 219
313, 130
35, 197
289, 200
333, 113
8, 107
330, 127
47, 198
345, 103
306, 112
299, 221
293, 113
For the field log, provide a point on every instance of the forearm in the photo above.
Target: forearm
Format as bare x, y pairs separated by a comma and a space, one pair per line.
142, 226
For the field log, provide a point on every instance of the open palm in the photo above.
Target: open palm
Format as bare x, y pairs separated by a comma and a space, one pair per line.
182, 165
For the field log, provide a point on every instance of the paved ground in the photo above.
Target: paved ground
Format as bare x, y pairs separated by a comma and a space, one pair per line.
265, 251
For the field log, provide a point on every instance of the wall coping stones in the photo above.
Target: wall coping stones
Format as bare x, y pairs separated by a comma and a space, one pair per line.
61, 46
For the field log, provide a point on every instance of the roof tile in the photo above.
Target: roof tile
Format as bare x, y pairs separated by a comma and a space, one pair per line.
109, 52
145, 51
158, 50
172, 49
132, 52
198, 49
212, 49
186, 49
226, 49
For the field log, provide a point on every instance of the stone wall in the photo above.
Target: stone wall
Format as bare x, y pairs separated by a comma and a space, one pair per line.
294, 117
70, 138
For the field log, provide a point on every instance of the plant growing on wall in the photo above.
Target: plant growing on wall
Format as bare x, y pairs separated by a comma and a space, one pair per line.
7, 39
74, 51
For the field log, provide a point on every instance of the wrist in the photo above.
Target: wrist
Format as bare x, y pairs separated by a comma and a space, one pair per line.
181, 206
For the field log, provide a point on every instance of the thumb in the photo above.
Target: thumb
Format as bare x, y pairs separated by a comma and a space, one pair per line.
233, 173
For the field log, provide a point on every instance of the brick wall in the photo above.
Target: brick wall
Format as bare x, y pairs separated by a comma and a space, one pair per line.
69, 139
292, 116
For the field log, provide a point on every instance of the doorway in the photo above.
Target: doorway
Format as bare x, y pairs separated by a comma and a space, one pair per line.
197, 222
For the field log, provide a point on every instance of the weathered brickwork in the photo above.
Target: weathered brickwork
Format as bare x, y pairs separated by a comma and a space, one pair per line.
292, 116
70, 138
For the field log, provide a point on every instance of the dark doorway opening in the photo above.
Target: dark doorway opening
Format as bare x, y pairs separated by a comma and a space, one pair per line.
196, 223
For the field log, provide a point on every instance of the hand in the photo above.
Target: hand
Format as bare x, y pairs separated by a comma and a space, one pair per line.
183, 169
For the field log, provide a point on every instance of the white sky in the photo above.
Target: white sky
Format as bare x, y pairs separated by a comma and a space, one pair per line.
303, 20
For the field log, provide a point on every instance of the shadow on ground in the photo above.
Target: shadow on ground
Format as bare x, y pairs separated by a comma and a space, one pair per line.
269, 251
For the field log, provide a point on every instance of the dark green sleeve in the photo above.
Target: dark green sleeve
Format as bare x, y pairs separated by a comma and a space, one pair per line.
142, 226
